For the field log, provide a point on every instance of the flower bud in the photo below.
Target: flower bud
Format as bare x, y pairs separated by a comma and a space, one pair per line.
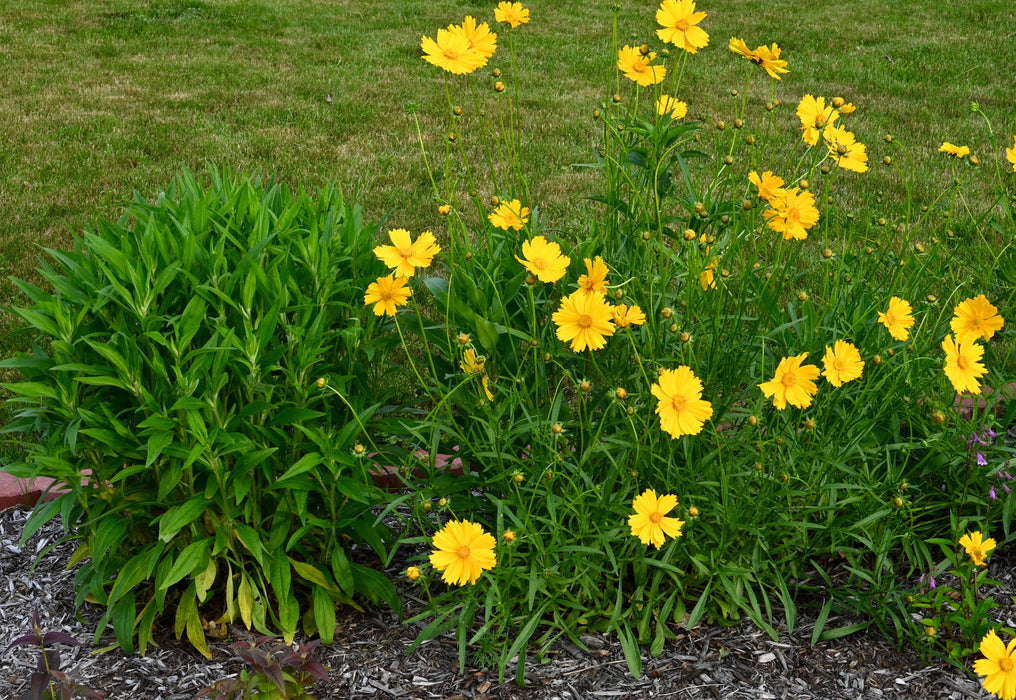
321, 382
463, 339
359, 449
496, 72
666, 312
938, 417
685, 337
728, 160
556, 428
413, 573
809, 424
753, 421
498, 86
621, 393
738, 123
689, 234
693, 512
803, 184
616, 98
802, 296
585, 386
508, 536
827, 253
444, 209
887, 160
457, 111
700, 208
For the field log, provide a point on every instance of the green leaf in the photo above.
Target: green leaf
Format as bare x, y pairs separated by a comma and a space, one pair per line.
186, 562
174, 519
324, 614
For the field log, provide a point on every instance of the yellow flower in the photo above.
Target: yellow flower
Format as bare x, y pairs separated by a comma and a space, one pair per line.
511, 13
510, 215
792, 214
845, 149
406, 255
480, 38
815, 116
998, 666
740, 48
635, 66
975, 318
462, 550
954, 150
681, 408
413, 573
508, 536
544, 259
842, 362
671, 106
387, 294
452, 52
624, 316
585, 320
963, 365
650, 522
680, 25
897, 318
1010, 154
707, 277
842, 106
595, 279
769, 60
471, 364
770, 187
977, 548
794, 383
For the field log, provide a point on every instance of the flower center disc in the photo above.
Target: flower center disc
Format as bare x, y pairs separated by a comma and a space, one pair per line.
405, 252
463, 552
656, 517
584, 321
962, 362
789, 379
679, 403
1005, 664
682, 24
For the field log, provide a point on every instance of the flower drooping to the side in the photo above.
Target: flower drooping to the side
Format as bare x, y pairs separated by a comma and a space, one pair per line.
471, 364
975, 318
954, 150
977, 547
815, 116
998, 666
624, 316
671, 106
584, 319
681, 408
707, 278
510, 215
387, 294
452, 52
405, 254
770, 187
794, 383
635, 66
649, 522
463, 551
897, 318
544, 259
842, 362
763, 56
512, 13
1010, 154
845, 149
793, 212
595, 279
963, 365
680, 25
480, 38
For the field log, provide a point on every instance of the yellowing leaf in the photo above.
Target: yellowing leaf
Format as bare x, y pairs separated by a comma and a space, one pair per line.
245, 598
204, 580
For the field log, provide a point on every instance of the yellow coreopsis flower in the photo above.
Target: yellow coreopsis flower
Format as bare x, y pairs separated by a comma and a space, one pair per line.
845, 149
977, 547
584, 319
794, 383
741, 49
671, 106
954, 150
707, 278
975, 318
625, 316
544, 259
963, 365
649, 522
842, 362
1010, 154
793, 212
413, 573
897, 318
680, 25
452, 52
815, 116
512, 13
681, 408
998, 666
769, 59
635, 66
471, 364
595, 279
463, 551
405, 254
770, 187
387, 294
510, 215
480, 38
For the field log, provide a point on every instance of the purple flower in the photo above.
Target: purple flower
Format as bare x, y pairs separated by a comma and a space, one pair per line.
981, 461
991, 494
990, 433
1006, 475
1007, 489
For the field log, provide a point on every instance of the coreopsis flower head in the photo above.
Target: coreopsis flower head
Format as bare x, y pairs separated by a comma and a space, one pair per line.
975, 318
963, 365
770, 187
413, 573
387, 294
898, 318
649, 522
1010, 154
794, 383
954, 150
405, 254
815, 116
671, 106
845, 150
842, 362
635, 66
595, 279
452, 52
512, 13
544, 259
741, 49
976, 547
842, 106
584, 319
680, 25
463, 551
707, 278
998, 666
681, 408
768, 58
510, 215
793, 212
471, 364
625, 316
480, 38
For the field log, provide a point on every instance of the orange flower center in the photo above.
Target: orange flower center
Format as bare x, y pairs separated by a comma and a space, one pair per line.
639, 67
584, 321
405, 252
839, 365
451, 54
656, 517
385, 295
682, 25
789, 379
1005, 664
793, 215
962, 362
463, 552
539, 264
679, 403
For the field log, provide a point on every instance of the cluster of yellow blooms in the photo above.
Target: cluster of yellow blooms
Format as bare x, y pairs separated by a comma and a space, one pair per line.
403, 256
462, 48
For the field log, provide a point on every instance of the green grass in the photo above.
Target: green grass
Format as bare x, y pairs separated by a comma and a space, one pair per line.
105, 98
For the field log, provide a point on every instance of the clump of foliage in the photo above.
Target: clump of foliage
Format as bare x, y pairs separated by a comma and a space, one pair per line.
280, 672
48, 681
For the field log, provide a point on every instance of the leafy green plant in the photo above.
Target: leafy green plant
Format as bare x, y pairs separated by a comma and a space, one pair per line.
49, 681
280, 672
178, 395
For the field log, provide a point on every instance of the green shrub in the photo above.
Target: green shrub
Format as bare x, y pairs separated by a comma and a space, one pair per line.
187, 392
